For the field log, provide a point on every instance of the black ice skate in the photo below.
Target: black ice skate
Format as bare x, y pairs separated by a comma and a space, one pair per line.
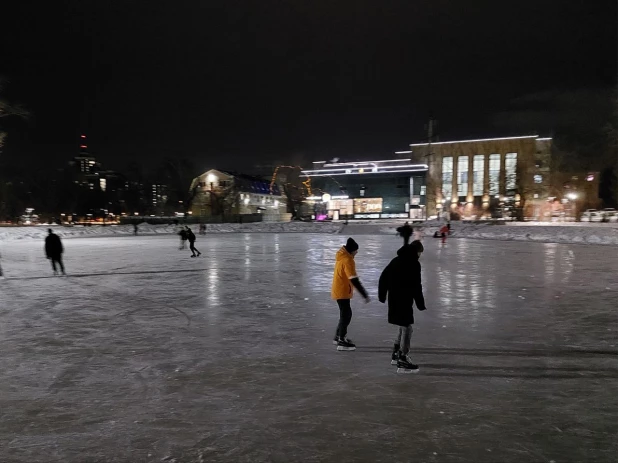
395, 357
336, 340
405, 365
345, 344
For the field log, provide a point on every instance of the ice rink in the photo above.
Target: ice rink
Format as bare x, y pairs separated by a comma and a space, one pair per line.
143, 354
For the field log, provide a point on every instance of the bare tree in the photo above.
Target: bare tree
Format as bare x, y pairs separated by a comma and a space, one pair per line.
295, 188
224, 199
8, 109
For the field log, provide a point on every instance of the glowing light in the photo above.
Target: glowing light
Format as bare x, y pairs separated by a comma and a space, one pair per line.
544, 139
83, 146
477, 140
403, 152
246, 200
83, 136
381, 170
340, 197
314, 198
572, 196
365, 163
326, 197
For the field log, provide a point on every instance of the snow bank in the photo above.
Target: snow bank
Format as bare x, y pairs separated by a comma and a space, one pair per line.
39, 232
603, 234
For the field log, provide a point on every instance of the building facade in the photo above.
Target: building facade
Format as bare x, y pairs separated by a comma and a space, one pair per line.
366, 189
222, 193
487, 177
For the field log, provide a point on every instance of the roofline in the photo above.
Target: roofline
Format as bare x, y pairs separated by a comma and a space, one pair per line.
480, 139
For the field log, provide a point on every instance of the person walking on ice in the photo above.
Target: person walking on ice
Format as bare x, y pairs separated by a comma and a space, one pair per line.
405, 231
183, 238
54, 250
344, 282
400, 284
191, 238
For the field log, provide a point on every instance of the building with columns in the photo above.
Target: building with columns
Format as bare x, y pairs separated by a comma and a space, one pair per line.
485, 177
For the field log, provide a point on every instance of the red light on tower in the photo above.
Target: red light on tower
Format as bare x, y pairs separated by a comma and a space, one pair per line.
83, 136
83, 146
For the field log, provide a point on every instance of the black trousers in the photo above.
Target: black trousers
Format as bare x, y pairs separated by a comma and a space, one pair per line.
57, 260
193, 248
345, 317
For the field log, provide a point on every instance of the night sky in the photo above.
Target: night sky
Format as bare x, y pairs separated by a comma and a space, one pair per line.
237, 83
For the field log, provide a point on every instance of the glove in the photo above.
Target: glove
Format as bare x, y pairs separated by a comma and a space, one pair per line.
367, 300
382, 300
422, 308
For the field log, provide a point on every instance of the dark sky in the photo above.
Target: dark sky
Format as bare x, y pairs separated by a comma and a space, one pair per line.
232, 83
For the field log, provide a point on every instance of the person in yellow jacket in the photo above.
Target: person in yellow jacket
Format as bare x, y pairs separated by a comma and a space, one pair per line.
344, 282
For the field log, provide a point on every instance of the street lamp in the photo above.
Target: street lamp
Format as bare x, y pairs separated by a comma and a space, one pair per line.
572, 196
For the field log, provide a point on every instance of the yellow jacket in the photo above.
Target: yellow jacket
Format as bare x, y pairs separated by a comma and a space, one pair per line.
345, 270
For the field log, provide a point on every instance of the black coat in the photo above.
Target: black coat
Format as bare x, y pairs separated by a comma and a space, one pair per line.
400, 282
53, 246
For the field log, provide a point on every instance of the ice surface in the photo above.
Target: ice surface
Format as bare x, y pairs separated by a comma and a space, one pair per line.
143, 354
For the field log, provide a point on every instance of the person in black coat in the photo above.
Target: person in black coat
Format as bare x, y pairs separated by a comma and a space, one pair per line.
191, 238
400, 284
54, 250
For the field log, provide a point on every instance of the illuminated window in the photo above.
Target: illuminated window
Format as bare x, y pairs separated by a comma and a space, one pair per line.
462, 174
494, 174
479, 175
510, 167
447, 177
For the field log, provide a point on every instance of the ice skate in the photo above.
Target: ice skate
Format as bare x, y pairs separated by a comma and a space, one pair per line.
395, 357
336, 340
345, 344
405, 365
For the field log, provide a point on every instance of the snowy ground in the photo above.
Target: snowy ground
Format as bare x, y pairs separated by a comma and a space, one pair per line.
143, 354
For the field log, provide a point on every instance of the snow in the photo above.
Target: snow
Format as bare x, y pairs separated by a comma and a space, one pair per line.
600, 234
577, 233
143, 354
39, 232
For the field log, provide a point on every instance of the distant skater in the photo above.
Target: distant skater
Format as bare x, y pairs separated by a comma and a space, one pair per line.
1, 274
400, 285
191, 238
135, 229
183, 238
344, 280
405, 231
444, 232
54, 250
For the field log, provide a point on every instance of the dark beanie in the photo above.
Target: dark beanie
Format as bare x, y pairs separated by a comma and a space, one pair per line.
351, 245
417, 245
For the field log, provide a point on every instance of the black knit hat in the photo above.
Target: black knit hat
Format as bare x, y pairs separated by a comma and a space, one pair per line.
351, 245
417, 245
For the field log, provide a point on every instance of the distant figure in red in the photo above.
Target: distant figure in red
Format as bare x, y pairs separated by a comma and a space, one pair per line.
444, 231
